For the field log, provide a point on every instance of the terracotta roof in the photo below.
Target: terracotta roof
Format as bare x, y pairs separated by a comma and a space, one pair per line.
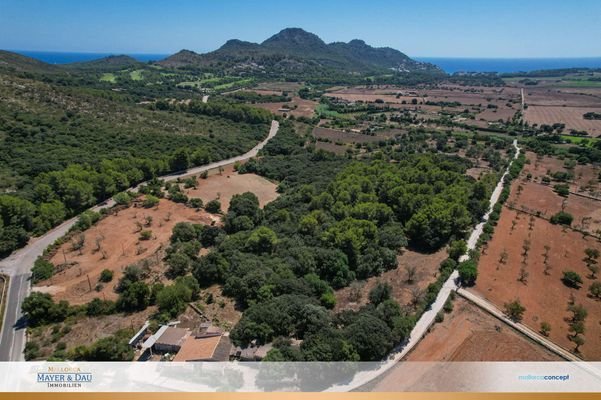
197, 349
172, 336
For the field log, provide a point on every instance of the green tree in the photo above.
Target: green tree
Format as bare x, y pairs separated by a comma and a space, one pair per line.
134, 298
468, 272
262, 240
457, 248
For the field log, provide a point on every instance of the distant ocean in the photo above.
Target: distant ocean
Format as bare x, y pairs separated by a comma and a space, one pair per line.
52, 57
449, 65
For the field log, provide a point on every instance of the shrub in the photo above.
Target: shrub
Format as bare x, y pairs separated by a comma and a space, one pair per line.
571, 279
150, 201
41, 270
106, 275
595, 290
213, 206
562, 218
145, 235
122, 198
195, 203
515, 310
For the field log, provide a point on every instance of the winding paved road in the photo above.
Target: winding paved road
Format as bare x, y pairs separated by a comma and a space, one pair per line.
18, 265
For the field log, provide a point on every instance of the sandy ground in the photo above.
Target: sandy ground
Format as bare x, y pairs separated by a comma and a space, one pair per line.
120, 247
223, 186
470, 334
570, 116
426, 272
544, 295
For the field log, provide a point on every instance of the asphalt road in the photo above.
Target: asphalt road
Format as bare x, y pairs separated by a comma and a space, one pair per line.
18, 264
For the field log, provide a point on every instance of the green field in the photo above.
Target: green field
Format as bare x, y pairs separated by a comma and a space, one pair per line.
137, 75
108, 77
588, 141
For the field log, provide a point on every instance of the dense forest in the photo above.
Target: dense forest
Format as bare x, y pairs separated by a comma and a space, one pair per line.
64, 149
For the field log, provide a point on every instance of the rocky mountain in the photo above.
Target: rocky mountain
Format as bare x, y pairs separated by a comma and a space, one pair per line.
298, 49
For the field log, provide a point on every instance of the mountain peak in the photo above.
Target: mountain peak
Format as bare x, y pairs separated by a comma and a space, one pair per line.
294, 37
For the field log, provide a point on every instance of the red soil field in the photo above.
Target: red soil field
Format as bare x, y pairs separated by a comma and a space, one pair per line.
119, 240
471, 334
544, 295
536, 198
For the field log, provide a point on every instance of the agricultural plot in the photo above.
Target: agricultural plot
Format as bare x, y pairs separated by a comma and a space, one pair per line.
526, 260
297, 107
572, 117
470, 334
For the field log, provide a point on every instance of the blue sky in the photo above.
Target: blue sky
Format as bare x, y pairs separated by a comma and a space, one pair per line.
460, 28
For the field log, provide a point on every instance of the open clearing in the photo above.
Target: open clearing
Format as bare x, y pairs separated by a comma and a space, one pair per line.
86, 330
223, 186
586, 177
572, 117
543, 295
470, 334
337, 136
467, 334
120, 246
427, 269
296, 106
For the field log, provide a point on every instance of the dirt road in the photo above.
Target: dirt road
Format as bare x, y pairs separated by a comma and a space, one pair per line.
18, 265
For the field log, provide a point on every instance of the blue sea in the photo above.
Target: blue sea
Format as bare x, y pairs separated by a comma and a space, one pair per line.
52, 57
449, 65
452, 65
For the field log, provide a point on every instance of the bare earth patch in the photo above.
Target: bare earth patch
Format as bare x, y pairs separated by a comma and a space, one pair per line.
120, 245
223, 186
470, 334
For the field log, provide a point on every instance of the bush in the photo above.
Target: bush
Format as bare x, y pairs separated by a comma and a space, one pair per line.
571, 279
106, 275
515, 310
195, 203
145, 235
41, 270
468, 272
213, 206
595, 290
150, 201
380, 293
457, 248
562, 218
122, 198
